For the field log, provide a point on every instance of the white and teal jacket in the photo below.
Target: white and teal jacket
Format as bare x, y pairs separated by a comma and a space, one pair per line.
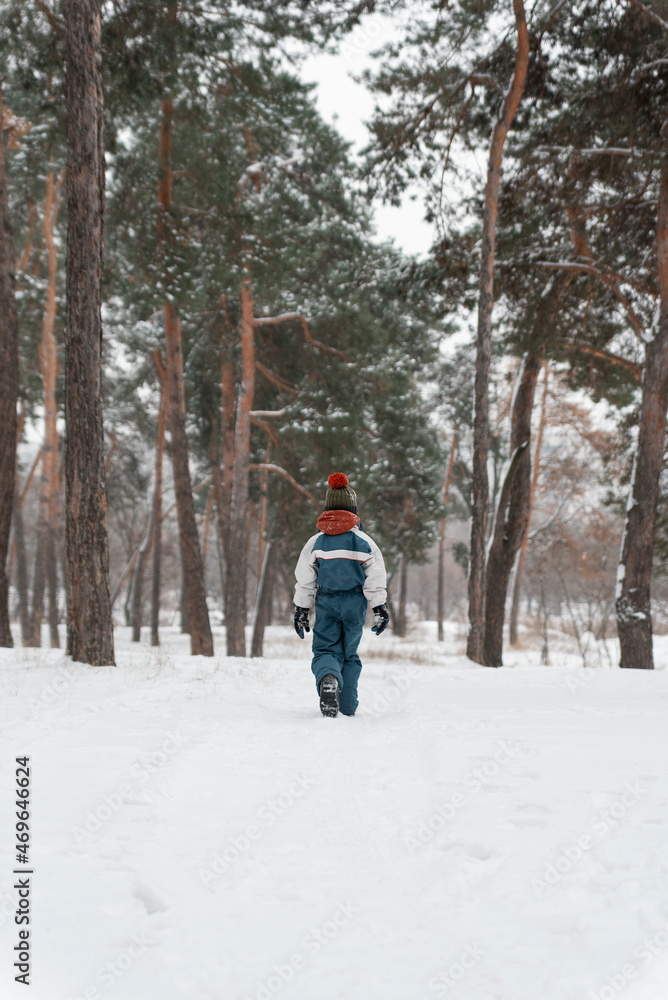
340, 557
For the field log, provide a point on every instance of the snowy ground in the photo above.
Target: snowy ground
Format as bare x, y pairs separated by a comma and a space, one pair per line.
200, 831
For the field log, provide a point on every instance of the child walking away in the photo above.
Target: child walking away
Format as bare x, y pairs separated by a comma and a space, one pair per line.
342, 569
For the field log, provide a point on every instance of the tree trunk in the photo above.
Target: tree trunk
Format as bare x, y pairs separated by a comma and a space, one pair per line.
512, 516
49, 366
521, 559
9, 388
34, 639
185, 624
157, 502
222, 482
264, 594
44, 565
480, 486
201, 640
235, 612
220, 522
127, 606
136, 614
52, 589
227, 443
262, 519
399, 620
634, 621
21, 568
205, 530
440, 597
404, 591
90, 637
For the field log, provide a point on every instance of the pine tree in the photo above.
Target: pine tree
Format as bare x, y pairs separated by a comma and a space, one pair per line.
263, 215
35, 81
601, 183
9, 383
89, 623
453, 81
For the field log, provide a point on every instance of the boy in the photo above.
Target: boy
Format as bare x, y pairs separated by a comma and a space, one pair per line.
343, 569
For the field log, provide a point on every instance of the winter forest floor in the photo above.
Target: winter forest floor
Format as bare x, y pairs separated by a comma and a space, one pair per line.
200, 831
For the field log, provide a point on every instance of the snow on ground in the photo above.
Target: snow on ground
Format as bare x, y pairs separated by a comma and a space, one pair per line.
200, 831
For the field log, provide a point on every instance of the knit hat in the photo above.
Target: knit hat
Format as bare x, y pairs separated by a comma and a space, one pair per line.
340, 496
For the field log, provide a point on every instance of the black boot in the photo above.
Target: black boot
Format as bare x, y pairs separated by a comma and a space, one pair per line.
329, 696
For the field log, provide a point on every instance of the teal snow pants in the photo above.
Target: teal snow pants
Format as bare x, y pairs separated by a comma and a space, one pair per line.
339, 622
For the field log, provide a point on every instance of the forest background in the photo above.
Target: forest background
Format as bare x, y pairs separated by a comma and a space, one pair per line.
494, 399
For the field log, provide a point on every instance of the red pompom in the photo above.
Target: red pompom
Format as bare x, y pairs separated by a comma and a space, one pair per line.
337, 480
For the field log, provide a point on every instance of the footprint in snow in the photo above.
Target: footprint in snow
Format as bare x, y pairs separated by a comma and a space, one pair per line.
480, 852
521, 824
151, 900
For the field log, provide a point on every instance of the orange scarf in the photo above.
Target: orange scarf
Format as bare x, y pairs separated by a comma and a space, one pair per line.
336, 522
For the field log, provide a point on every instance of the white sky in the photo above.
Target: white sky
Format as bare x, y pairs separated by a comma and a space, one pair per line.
348, 105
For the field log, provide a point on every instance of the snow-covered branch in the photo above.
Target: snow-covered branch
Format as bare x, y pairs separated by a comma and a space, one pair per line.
56, 24
288, 317
650, 13
593, 151
253, 172
609, 278
651, 65
269, 467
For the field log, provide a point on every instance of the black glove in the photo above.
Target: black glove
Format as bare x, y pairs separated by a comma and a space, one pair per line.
301, 621
381, 617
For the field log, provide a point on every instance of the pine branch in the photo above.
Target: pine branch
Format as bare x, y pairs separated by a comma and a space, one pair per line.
276, 379
485, 80
591, 151
286, 475
208, 213
598, 352
650, 13
288, 317
610, 279
267, 429
651, 65
57, 25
